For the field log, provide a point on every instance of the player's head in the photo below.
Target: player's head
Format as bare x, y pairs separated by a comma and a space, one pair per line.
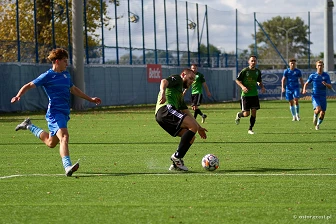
194, 67
188, 77
292, 63
59, 58
319, 65
57, 54
252, 61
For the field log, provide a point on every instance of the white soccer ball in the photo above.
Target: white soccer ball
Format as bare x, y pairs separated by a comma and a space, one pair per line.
210, 162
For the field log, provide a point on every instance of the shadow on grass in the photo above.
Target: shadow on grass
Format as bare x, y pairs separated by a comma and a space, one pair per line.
269, 170
242, 171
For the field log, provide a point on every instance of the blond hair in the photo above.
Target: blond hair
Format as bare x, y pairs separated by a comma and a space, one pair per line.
320, 61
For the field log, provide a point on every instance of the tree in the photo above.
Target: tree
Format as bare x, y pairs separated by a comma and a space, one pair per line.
45, 19
276, 29
203, 51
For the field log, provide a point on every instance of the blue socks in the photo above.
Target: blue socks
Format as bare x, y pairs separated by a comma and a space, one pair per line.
297, 109
293, 111
35, 130
66, 161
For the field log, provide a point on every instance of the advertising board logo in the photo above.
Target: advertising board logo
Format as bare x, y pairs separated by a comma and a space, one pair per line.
270, 79
154, 73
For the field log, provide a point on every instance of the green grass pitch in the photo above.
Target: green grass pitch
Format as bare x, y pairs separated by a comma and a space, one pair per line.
285, 173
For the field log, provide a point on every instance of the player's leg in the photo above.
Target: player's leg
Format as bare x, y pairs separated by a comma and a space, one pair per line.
296, 103
195, 102
290, 98
57, 124
255, 105
252, 121
189, 128
38, 132
63, 136
198, 101
323, 106
173, 121
245, 109
317, 108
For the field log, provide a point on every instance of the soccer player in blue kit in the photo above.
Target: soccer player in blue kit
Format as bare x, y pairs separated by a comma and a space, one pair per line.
321, 81
291, 77
58, 86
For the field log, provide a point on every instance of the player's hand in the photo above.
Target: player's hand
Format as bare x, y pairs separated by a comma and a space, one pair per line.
201, 132
96, 100
263, 90
15, 99
283, 90
245, 90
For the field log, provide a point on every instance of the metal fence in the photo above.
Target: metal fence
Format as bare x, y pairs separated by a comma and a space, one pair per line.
168, 32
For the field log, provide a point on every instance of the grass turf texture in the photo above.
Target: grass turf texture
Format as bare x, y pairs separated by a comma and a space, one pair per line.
285, 173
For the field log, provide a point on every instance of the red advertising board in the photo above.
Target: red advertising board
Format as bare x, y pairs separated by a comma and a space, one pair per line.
154, 73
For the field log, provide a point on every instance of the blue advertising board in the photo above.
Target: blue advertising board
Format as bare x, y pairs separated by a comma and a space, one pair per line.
272, 83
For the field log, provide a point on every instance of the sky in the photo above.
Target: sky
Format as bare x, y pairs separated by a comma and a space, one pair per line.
221, 26
265, 6
266, 9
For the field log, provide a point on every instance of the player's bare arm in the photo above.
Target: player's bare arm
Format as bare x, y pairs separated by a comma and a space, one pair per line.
22, 91
206, 89
329, 86
283, 84
77, 92
240, 84
163, 87
263, 90
304, 88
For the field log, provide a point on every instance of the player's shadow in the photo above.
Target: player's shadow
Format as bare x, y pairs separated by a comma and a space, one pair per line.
253, 170
267, 170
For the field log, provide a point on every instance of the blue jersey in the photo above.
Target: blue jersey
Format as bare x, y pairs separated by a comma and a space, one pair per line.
57, 86
292, 78
318, 88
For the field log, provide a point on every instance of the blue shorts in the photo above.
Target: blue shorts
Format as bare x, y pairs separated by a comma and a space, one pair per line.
292, 94
56, 121
319, 101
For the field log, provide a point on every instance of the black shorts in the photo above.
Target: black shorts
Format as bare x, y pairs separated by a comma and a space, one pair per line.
196, 99
249, 102
170, 119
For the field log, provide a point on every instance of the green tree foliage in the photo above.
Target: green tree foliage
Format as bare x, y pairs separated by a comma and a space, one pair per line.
297, 38
44, 21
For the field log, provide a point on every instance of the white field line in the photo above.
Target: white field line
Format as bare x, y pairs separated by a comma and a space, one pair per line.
172, 174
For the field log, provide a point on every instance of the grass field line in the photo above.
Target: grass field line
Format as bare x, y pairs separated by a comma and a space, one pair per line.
171, 174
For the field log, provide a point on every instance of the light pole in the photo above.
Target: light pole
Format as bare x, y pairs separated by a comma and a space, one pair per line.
287, 31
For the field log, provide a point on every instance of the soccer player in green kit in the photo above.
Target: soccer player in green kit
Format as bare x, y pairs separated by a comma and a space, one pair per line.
173, 115
197, 92
247, 80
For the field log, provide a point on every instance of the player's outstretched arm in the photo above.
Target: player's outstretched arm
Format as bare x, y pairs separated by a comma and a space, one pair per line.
77, 92
22, 91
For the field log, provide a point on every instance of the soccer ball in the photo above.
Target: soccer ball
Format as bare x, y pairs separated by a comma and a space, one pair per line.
210, 162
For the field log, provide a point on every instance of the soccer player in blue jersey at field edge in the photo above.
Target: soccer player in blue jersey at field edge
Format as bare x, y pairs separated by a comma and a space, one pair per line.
290, 78
173, 115
58, 86
321, 81
248, 79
